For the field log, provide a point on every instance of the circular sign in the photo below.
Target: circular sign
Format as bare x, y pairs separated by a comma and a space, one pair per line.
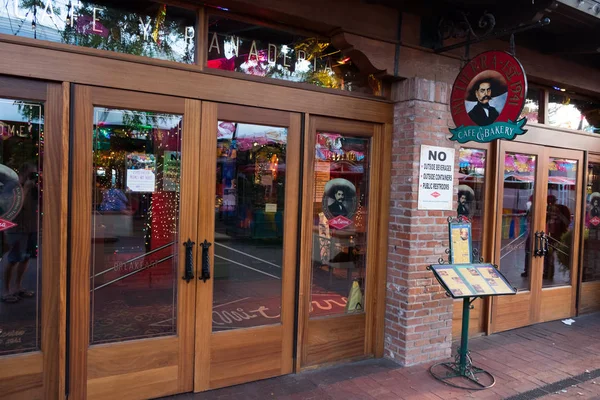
491, 88
11, 194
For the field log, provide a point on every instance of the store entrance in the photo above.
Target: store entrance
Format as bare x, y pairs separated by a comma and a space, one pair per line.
182, 244
539, 198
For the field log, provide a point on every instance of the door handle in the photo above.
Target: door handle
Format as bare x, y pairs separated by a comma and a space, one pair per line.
205, 274
537, 252
189, 261
544, 244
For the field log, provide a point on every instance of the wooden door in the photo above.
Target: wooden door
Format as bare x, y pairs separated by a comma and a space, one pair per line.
33, 217
537, 233
520, 206
134, 208
249, 174
341, 277
562, 217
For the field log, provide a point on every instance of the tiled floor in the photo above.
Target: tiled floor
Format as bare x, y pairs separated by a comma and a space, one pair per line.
521, 360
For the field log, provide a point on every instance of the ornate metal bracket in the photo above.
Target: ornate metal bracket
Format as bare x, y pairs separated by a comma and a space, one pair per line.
458, 26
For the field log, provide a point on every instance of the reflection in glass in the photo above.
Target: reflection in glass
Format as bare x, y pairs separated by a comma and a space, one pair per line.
340, 204
471, 191
577, 113
591, 243
140, 28
562, 180
262, 51
21, 179
531, 109
135, 216
249, 215
517, 208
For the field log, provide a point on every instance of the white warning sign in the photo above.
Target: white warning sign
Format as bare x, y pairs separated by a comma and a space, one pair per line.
436, 178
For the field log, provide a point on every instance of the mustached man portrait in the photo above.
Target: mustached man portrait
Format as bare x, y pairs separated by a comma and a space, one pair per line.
486, 96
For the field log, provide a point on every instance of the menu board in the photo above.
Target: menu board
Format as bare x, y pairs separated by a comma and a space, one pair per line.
460, 243
472, 280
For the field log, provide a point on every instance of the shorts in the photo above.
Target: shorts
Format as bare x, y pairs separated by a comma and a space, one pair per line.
23, 246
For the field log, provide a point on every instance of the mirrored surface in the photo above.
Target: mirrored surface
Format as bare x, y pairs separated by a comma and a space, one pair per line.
560, 209
249, 215
340, 222
517, 235
135, 221
21, 192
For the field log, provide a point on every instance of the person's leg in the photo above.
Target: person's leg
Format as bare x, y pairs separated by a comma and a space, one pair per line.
29, 251
21, 268
11, 259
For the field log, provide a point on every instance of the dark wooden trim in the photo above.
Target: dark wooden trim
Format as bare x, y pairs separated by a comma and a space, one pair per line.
54, 270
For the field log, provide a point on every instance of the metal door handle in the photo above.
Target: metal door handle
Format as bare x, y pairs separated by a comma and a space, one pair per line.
545, 244
537, 252
189, 261
205, 274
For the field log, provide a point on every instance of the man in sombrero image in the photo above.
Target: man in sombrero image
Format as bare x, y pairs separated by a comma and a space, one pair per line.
487, 96
340, 192
465, 196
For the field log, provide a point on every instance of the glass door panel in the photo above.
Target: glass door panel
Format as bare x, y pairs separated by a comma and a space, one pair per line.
249, 230
591, 244
21, 175
560, 209
517, 232
340, 204
135, 225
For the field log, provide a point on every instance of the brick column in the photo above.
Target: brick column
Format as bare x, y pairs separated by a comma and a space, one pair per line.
418, 313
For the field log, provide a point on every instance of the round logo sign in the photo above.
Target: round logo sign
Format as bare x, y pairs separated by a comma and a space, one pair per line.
11, 194
491, 88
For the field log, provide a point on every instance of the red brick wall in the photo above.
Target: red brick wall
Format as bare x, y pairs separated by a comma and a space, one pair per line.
418, 313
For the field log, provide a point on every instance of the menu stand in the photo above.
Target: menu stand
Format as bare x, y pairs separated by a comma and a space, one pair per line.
469, 280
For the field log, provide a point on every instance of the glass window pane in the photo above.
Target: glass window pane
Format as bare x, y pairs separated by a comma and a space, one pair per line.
21, 189
562, 181
341, 190
257, 50
135, 219
517, 208
573, 113
471, 191
147, 29
531, 109
249, 215
591, 243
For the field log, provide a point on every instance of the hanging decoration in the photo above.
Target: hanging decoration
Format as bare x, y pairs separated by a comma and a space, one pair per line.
487, 99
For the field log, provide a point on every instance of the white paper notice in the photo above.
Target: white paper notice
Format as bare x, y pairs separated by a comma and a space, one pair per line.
271, 207
140, 180
436, 178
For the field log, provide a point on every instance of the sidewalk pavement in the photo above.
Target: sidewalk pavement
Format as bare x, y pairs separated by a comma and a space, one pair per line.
552, 360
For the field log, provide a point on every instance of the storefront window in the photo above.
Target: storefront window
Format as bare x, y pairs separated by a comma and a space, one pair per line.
573, 113
591, 240
21, 175
532, 105
249, 215
260, 51
471, 191
340, 204
147, 29
135, 225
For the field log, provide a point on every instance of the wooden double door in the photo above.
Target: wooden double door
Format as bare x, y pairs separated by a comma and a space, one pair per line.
538, 233
183, 244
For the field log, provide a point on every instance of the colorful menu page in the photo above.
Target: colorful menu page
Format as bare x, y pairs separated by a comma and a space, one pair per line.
472, 280
460, 235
